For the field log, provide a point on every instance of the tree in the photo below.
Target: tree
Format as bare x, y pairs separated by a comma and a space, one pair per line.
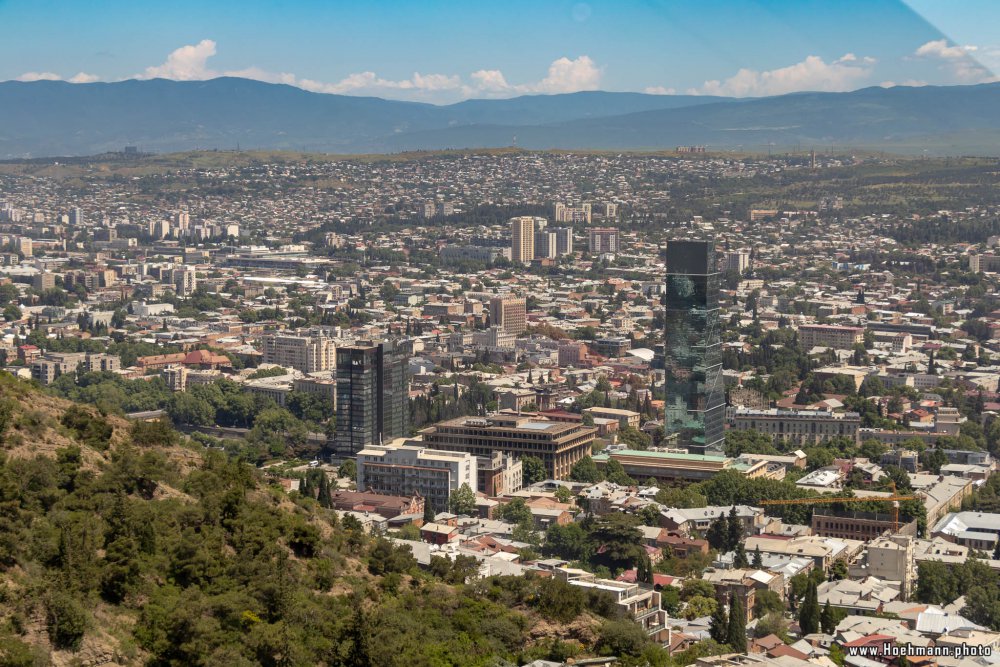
429, 512
809, 611
700, 606
740, 558
773, 623
617, 542
758, 558
564, 495
718, 628
827, 619
838, 571
644, 570
585, 470
736, 635
532, 470
516, 512
734, 531
570, 542
622, 638
615, 473
462, 501
349, 469
718, 533
766, 602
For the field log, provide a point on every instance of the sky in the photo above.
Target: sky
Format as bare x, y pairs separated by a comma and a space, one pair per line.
443, 51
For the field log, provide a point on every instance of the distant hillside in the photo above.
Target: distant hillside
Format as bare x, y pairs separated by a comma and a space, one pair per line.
948, 120
53, 118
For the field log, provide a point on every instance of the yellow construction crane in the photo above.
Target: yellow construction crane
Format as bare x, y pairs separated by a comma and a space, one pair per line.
894, 499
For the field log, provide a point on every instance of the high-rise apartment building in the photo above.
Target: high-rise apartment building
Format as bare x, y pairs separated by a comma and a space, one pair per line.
695, 399
509, 313
602, 240
372, 396
75, 216
564, 240
522, 239
308, 354
737, 260
184, 280
545, 244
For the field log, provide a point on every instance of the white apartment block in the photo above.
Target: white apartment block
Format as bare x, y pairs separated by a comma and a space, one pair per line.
308, 354
410, 468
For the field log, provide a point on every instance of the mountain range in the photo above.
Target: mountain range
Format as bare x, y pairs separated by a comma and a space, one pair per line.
55, 118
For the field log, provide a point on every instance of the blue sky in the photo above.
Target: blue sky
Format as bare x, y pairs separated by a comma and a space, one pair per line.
442, 51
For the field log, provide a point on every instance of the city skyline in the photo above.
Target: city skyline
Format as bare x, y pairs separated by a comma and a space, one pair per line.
539, 49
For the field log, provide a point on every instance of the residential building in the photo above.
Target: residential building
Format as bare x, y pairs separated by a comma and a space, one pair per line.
800, 426
564, 240
825, 335
737, 261
308, 354
412, 469
522, 239
601, 240
499, 474
509, 313
976, 530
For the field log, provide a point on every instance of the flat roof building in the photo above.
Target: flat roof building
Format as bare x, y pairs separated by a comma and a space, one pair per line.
559, 445
410, 469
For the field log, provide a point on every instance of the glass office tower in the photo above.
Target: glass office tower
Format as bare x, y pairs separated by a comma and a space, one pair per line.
372, 397
692, 354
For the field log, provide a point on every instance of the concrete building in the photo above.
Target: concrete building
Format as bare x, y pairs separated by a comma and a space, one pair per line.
564, 240
824, 335
601, 240
639, 603
509, 313
308, 354
410, 469
522, 239
891, 558
858, 525
545, 244
799, 426
499, 474
667, 467
559, 445
976, 530
737, 261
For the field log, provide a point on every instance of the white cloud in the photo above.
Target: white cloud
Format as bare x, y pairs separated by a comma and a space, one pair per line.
490, 81
912, 83
83, 77
39, 76
568, 76
564, 75
371, 83
813, 73
659, 90
957, 60
939, 49
188, 63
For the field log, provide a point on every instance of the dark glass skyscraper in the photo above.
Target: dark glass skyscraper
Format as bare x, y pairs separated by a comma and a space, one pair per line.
692, 354
372, 396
